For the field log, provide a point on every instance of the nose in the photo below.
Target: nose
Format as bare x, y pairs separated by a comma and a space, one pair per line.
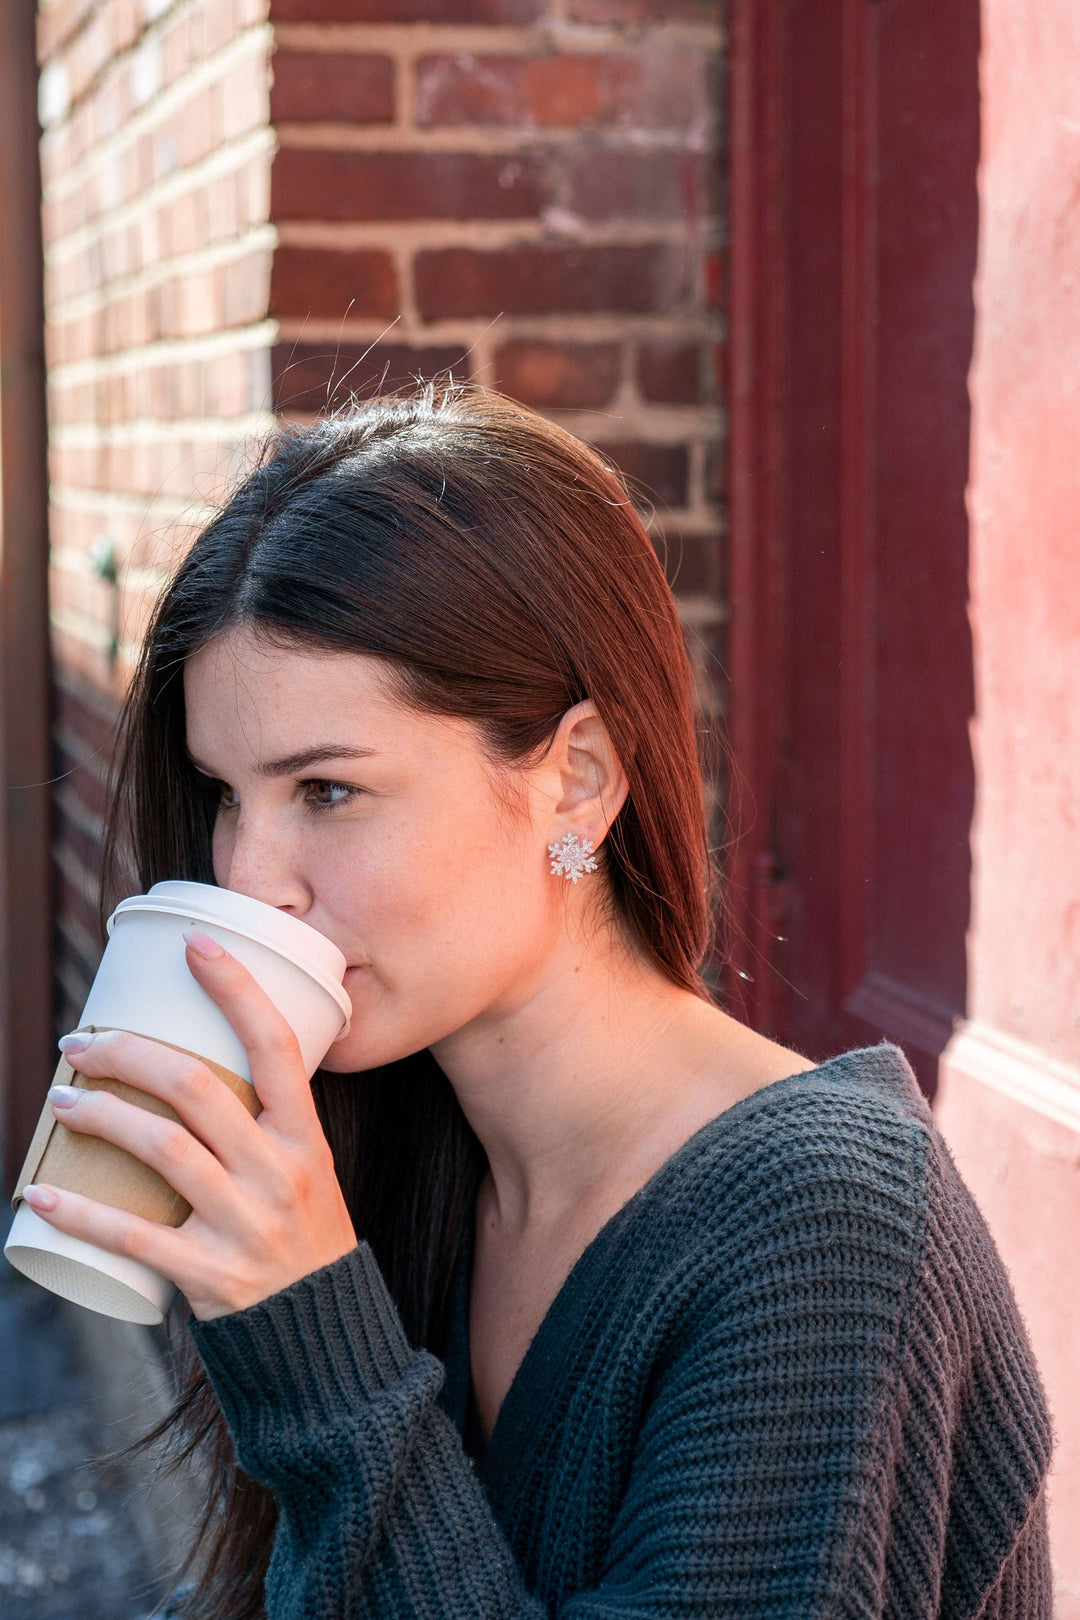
260, 866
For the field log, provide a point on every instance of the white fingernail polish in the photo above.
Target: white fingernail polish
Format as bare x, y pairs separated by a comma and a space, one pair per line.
77, 1041
64, 1096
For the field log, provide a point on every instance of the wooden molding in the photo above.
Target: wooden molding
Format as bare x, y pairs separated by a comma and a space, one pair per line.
903, 1014
1016, 1069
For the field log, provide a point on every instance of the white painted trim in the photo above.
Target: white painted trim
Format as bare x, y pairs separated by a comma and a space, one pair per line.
1017, 1070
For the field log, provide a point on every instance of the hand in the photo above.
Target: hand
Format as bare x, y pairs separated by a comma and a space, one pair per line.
266, 1207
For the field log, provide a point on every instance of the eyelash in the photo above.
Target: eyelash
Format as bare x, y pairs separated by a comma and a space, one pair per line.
314, 781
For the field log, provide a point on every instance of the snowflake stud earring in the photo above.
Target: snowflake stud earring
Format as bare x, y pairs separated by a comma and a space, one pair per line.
571, 856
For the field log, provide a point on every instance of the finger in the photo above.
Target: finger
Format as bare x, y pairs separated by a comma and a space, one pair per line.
163, 1248
203, 1101
165, 1145
277, 1066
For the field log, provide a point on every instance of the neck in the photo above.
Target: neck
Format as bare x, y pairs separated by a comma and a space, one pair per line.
578, 1073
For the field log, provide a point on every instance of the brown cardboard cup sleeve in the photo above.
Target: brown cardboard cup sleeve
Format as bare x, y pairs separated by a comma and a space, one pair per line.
79, 1162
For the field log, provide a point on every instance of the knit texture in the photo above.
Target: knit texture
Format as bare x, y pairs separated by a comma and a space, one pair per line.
787, 1378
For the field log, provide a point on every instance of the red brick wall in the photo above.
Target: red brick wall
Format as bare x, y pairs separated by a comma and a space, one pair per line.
527, 193
266, 204
155, 171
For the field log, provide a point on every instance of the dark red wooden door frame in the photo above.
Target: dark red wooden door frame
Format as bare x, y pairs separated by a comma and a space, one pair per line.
755, 312
854, 141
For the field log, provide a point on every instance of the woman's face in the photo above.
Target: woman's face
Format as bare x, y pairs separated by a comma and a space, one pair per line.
399, 849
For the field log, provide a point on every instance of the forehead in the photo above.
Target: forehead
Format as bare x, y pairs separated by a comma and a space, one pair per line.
241, 692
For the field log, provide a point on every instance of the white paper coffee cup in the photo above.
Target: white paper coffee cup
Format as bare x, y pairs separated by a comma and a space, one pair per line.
144, 985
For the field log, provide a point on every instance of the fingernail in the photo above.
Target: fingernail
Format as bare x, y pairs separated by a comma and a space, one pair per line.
64, 1096
203, 945
39, 1197
74, 1043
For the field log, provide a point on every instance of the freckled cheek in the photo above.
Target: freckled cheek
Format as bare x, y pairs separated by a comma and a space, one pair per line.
445, 899
386, 894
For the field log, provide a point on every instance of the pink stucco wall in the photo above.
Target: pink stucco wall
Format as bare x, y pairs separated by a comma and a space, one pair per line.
1010, 1085
1024, 508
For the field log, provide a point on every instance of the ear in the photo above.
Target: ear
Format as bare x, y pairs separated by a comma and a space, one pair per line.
592, 785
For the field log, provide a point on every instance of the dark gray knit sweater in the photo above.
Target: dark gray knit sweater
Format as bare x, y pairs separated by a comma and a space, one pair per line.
787, 1378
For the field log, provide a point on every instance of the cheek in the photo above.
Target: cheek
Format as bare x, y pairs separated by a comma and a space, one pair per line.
469, 896
433, 902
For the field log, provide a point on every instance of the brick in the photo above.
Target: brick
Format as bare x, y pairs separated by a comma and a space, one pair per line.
219, 212
639, 279
219, 27
311, 378
407, 11
94, 723
58, 22
175, 50
189, 305
715, 280
313, 85
234, 384
543, 91
253, 192
580, 90
405, 185
76, 963
716, 474
322, 281
92, 792
669, 373
243, 98
720, 372
561, 376
78, 660
667, 89
645, 11
88, 54
76, 902
243, 289
693, 563
127, 22
605, 183
77, 839
655, 472
467, 89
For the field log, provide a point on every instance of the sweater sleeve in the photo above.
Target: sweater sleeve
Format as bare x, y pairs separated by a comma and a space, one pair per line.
380, 1512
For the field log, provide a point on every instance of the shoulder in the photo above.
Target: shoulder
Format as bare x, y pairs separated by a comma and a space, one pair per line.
851, 1139
832, 1314
832, 1193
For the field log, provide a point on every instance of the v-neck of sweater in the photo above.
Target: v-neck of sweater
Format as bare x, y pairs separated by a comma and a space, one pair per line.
539, 1366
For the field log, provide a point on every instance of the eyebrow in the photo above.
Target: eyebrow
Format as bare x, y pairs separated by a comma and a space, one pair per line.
303, 760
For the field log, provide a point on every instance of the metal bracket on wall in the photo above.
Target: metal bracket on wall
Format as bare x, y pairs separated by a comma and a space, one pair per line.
103, 563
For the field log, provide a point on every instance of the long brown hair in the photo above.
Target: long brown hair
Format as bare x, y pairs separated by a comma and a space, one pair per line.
500, 567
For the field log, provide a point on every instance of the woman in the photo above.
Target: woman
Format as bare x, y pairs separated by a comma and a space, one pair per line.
558, 1291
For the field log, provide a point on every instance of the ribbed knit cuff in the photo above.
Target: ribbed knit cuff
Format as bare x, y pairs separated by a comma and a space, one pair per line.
321, 1347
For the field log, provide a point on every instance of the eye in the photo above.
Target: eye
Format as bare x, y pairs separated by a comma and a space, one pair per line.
350, 793
316, 786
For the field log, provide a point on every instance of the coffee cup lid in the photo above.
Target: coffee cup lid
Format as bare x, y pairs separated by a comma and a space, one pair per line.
297, 941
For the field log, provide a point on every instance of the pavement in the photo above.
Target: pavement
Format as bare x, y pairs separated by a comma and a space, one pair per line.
76, 1539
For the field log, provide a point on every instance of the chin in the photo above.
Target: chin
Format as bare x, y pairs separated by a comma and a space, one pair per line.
352, 1057
336, 1061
